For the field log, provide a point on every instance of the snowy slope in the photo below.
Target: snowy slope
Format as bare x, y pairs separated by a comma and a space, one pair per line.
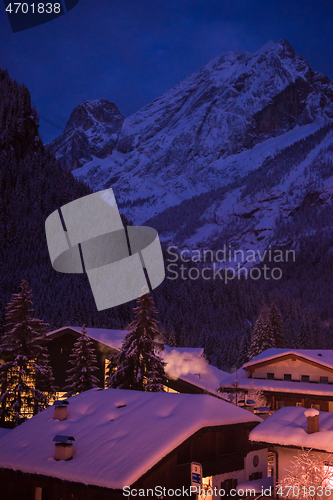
192, 158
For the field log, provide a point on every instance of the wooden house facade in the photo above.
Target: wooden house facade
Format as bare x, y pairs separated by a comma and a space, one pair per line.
297, 377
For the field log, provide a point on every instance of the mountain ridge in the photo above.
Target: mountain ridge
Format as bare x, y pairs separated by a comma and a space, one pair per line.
230, 127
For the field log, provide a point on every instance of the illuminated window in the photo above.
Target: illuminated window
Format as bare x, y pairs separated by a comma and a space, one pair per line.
168, 389
38, 493
60, 395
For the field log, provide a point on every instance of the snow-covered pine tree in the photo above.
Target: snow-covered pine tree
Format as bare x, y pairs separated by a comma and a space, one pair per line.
83, 358
171, 339
261, 338
25, 375
139, 366
276, 326
246, 344
304, 336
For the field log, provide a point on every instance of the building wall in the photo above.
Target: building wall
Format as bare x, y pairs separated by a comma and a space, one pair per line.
250, 466
18, 486
241, 476
296, 368
278, 400
60, 348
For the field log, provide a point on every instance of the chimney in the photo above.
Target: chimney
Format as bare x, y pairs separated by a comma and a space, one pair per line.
63, 447
60, 410
312, 416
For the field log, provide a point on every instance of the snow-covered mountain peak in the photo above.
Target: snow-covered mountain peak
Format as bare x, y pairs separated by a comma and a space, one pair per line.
86, 114
92, 129
222, 130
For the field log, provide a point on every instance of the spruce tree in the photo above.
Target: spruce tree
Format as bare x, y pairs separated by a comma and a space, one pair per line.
25, 375
139, 366
276, 327
83, 358
171, 339
260, 340
246, 345
304, 336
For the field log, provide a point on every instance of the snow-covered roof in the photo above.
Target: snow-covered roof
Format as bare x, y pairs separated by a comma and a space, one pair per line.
114, 444
189, 364
287, 427
3, 432
111, 338
323, 357
288, 386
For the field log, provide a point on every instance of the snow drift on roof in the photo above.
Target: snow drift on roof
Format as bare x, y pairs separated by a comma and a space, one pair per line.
321, 356
111, 338
3, 431
119, 434
288, 427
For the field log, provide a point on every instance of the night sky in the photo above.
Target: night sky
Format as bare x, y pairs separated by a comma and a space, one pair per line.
131, 51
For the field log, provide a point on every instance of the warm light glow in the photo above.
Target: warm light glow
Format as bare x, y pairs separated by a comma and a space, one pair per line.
328, 474
168, 389
206, 486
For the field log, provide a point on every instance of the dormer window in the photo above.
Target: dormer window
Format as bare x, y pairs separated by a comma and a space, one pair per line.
287, 376
324, 380
305, 378
270, 376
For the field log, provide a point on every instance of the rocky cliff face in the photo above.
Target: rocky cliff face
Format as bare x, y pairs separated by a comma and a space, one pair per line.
18, 118
92, 130
226, 154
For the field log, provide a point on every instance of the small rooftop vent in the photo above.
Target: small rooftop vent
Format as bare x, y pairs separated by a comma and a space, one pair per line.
63, 447
120, 405
312, 417
60, 409
319, 354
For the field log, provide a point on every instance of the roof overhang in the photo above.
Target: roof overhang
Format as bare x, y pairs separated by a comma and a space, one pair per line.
250, 367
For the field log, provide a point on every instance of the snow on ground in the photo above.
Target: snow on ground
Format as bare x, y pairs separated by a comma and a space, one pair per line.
257, 485
288, 427
118, 434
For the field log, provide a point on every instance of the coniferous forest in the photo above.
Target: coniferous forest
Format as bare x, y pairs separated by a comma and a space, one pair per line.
217, 316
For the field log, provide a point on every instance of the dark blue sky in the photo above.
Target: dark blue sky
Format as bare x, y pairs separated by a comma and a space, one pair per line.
131, 51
